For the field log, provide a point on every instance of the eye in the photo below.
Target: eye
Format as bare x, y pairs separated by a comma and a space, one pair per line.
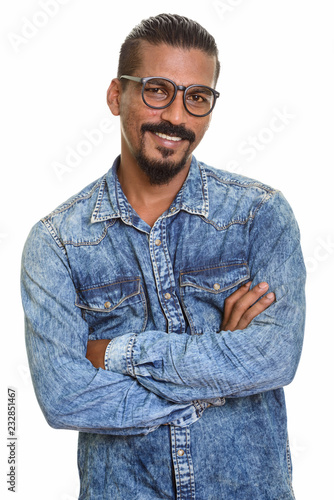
199, 96
196, 98
155, 90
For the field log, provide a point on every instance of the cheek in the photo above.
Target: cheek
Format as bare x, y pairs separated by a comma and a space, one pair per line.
149, 113
207, 122
133, 118
200, 131
135, 109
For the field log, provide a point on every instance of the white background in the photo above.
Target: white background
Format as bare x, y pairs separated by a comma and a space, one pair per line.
277, 57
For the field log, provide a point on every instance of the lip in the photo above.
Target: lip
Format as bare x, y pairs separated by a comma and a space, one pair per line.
167, 143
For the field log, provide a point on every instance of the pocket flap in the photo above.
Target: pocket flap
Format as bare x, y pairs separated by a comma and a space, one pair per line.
216, 279
105, 298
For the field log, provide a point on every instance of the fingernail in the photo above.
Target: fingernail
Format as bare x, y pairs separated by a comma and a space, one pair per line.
270, 295
263, 285
246, 285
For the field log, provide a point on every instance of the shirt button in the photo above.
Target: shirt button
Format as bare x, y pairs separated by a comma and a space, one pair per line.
158, 242
167, 296
180, 453
107, 305
216, 286
173, 209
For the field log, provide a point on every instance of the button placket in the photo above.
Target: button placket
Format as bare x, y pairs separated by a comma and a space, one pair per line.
164, 277
182, 461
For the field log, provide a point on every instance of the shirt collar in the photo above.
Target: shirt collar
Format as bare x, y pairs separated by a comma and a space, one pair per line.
112, 203
193, 197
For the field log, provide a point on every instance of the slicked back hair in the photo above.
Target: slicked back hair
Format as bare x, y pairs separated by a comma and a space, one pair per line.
169, 29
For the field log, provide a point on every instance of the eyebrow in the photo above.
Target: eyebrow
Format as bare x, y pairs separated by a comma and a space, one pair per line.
158, 81
201, 89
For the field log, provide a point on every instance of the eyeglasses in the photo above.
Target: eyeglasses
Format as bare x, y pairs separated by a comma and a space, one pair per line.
159, 93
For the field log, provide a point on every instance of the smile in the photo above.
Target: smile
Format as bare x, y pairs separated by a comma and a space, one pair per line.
168, 137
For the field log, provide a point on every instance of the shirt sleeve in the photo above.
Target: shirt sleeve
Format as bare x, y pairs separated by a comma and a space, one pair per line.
71, 392
262, 357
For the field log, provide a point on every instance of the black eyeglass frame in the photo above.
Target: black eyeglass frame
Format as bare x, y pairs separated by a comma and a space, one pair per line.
176, 88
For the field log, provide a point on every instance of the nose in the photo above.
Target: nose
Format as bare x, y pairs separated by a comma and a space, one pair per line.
175, 113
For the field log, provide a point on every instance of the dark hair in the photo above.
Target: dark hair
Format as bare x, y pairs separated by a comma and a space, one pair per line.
174, 30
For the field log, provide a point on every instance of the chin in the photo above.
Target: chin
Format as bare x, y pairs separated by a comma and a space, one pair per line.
161, 171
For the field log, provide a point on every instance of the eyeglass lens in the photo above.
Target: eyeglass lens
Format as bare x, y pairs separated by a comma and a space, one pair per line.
159, 92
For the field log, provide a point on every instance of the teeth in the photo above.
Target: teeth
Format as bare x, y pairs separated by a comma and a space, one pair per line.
168, 137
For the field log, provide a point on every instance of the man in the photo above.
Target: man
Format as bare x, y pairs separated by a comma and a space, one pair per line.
148, 323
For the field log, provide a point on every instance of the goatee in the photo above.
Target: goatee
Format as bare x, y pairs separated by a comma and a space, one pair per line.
162, 171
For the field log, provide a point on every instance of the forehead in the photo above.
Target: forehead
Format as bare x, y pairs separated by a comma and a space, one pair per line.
184, 66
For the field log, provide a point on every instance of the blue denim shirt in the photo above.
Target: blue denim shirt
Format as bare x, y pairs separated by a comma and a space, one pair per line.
183, 410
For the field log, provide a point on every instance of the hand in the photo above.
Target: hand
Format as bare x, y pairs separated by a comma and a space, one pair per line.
239, 307
95, 352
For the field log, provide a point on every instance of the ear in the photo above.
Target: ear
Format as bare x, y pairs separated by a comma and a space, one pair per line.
114, 96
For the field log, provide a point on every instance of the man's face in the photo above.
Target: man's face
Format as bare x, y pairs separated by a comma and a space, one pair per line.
161, 141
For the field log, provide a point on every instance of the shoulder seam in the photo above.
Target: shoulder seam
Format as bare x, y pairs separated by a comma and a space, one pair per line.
263, 201
53, 233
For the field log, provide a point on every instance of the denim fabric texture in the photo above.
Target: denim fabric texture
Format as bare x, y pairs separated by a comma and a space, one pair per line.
183, 410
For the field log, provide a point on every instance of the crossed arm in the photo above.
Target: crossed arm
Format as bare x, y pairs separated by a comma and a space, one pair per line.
258, 347
240, 308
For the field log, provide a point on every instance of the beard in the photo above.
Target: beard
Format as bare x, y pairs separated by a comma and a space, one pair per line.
163, 171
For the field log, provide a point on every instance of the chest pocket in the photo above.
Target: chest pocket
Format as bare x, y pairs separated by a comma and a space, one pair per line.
114, 308
203, 292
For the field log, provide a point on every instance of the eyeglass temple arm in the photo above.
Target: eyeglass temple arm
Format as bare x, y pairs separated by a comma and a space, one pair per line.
134, 78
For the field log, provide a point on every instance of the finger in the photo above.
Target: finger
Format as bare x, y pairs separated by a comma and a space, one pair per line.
243, 304
232, 299
255, 310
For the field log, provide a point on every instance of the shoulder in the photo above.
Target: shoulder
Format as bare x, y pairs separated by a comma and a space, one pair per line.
72, 220
80, 202
222, 179
235, 198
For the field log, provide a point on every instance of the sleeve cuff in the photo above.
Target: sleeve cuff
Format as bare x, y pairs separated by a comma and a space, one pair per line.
106, 355
118, 355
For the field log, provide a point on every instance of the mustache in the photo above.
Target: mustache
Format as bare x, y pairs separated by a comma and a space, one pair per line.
169, 129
